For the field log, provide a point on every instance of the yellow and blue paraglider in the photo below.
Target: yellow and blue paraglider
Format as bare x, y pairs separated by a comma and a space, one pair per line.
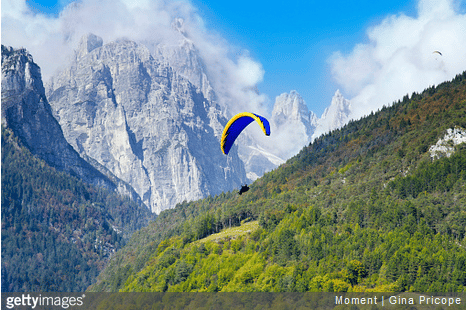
236, 125
437, 53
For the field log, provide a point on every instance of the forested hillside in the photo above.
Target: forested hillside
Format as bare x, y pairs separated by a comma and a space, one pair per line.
363, 208
57, 231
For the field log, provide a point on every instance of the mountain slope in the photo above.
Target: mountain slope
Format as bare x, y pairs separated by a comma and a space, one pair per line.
57, 231
363, 208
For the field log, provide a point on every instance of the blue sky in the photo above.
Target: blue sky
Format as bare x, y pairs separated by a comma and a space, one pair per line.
48, 7
296, 41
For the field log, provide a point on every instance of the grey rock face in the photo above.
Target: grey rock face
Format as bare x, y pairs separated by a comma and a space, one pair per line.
26, 111
183, 56
291, 108
335, 116
145, 123
185, 60
87, 44
294, 123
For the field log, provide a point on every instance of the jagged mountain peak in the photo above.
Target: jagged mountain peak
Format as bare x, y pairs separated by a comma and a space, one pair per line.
293, 124
8, 52
291, 106
19, 72
88, 43
338, 111
335, 116
339, 100
338, 94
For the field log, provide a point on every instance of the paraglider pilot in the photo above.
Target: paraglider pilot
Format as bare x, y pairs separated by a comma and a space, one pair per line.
244, 189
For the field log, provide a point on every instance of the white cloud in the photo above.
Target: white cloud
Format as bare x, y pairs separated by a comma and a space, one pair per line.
398, 58
52, 40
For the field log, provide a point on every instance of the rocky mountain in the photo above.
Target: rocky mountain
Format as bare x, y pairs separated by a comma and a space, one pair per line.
131, 85
294, 126
335, 116
145, 123
26, 111
183, 56
297, 126
294, 123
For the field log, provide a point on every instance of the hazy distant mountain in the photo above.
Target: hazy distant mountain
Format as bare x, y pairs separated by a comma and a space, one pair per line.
293, 126
257, 155
144, 122
335, 116
292, 108
293, 122
296, 126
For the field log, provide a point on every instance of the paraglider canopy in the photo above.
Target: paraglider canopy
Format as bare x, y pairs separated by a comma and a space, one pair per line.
236, 125
437, 52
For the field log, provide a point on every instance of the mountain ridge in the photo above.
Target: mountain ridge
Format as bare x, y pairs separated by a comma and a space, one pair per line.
26, 111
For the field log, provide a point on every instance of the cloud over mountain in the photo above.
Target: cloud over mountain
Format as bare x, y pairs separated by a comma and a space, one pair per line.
52, 40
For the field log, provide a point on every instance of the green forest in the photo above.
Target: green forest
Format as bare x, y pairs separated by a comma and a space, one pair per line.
364, 208
58, 232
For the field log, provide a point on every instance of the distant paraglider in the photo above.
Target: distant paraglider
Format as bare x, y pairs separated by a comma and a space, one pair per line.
236, 125
437, 52
244, 189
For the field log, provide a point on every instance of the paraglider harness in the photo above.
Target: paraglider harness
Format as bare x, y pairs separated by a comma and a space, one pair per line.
244, 189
